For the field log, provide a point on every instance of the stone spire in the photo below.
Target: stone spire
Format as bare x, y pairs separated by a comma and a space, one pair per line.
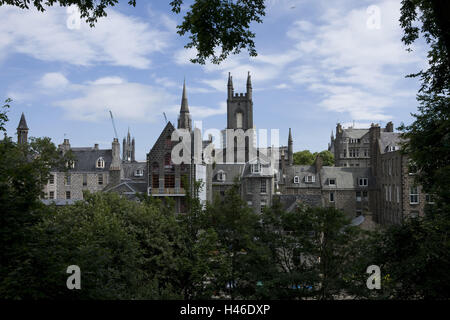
230, 86
184, 120
249, 86
22, 130
290, 149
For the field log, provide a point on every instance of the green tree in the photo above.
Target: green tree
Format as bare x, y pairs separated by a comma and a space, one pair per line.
304, 157
212, 24
327, 157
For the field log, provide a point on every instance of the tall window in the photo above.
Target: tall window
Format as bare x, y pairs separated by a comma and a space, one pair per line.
155, 181
67, 179
239, 120
100, 179
51, 179
67, 195
51, 195
358, 196
263, 186
398, 194
413, 195
331, 196
363, 182
84, 179
249, 186
168, 160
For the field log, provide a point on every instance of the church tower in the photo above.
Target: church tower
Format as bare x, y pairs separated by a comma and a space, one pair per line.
22, 130
239, 106
184, 119
290, 149
128, 151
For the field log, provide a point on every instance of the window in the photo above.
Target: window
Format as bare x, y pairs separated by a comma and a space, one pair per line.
51, 179
398, 194
67, 179
51, 195
169, 181
100, 179
366, 152
310, 179
84, 179
169, 142
155, 181
412, 168
390, 193
296, 179
68, 195
155, 167
365, 195
414, 214
358, 213
263, 186
413, 195
429, 198
256, 168
249, 203
331, 196
139, 173
167, 161
263, 205
358, 196
239, 120
100, 163
70, 164
221, 176
363, 182
249, 186
332, 182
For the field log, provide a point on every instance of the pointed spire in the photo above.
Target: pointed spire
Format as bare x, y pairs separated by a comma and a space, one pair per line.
290, 149
290, 136
332, 135
184, 100
22, 123
249, 80
230, 80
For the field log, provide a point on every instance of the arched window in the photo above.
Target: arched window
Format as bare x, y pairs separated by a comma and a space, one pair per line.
239, 120
100, 164
155, 167
168, 160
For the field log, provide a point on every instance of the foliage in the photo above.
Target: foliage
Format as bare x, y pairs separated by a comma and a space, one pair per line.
212, 24
305, 157
3, 116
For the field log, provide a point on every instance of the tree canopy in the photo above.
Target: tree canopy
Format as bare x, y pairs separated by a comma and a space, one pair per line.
216, 28
305, 157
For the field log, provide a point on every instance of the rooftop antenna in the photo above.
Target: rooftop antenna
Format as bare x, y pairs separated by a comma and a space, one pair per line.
114, 126
165, 116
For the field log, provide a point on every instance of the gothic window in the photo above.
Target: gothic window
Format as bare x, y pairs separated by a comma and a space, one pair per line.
155, 181
100, 164
239, 120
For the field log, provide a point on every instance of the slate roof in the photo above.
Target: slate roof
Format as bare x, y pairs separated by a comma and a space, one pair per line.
232, 170
389, 139
129, 169
22, 123
301, 172
291, 201
86, 159
354, 133
346, 177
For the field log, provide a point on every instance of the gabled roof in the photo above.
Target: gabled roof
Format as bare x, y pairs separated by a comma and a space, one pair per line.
86, 159
346, 177
389, 139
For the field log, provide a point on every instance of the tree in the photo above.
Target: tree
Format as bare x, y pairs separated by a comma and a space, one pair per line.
212, 24
305, 157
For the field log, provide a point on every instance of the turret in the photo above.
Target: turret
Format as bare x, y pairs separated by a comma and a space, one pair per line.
230, 86
249, 86
290, 149
22, 130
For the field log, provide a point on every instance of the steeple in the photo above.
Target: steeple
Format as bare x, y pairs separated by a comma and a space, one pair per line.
184, 120
290, 149
249, 86
230, 86
22, 130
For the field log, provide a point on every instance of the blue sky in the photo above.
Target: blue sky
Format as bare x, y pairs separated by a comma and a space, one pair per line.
319, 63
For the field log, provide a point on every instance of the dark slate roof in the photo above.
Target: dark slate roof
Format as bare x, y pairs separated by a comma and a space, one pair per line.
389, 139
232, 170
86, 159
301, 172
346, 177
129, 168
354, 133
22, 123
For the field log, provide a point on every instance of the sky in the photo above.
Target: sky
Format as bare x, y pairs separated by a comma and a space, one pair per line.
319, 63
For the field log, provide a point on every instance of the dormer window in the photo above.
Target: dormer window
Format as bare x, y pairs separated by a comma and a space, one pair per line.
70, 164
221, 176
363, 182
256, 168
332, 182
310, 179
296, 179
139, 173
100, 164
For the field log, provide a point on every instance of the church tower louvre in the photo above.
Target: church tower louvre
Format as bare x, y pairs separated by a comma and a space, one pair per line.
184, 119
22, 130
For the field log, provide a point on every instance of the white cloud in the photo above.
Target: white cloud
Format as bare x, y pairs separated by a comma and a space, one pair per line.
53, 80
357, 70
116, 40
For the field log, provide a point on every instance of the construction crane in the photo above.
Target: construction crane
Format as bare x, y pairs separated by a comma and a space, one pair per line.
114, 126
165, 116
